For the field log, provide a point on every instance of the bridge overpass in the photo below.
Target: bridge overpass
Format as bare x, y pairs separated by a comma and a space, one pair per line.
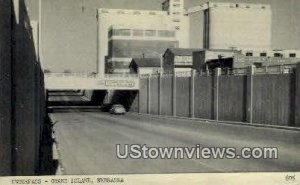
69, 81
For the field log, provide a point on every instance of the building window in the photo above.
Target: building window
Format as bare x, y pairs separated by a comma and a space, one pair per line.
152, 13
176, 5
121, 32
278, 55
136, 13
176, 13
137, 33
150, 33
249, 54
292, 55
166, 33
176, 20
121, 12
263, 54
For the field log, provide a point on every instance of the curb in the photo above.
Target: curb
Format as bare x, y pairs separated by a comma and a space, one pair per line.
297, 129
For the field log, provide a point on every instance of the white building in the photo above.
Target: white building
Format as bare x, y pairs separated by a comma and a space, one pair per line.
172, 17
231, 26
126, 18
178, 20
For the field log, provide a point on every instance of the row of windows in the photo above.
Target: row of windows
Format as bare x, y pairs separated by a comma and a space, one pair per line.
237, 6
134, 13
140, 33
291, 55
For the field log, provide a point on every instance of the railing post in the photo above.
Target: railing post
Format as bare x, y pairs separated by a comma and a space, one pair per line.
149, 94
174, 94
250, 93
216, 94
192, 95
139, 95
159, 93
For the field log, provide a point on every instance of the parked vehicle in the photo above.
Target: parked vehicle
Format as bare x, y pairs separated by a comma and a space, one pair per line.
117, 109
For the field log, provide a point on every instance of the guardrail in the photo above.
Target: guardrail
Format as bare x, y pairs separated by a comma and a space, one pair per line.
274, 69
89, 75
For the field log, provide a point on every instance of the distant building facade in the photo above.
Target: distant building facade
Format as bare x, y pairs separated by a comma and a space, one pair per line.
142, 66
171, 18
266, 58
178, 20
208, 59
178, 60
126, 18
125, 43
230, 26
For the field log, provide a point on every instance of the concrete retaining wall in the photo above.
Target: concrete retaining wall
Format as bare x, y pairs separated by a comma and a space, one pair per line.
22, 93
297, 96
5, 90
271, 99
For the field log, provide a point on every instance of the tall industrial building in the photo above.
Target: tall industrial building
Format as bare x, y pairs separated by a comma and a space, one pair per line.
178, 20
171, 17
231, 26
125, 18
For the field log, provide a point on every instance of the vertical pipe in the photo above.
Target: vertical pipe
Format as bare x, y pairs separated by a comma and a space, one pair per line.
149, 95
174, 94
192, 98
218, 73
159, 94
250, 91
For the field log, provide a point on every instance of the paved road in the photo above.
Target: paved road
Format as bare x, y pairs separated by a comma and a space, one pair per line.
87, 144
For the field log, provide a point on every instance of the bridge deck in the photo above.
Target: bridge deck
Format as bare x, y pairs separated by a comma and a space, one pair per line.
60, 81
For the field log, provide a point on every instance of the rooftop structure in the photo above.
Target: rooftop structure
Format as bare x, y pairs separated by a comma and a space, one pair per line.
178, 60
145, 66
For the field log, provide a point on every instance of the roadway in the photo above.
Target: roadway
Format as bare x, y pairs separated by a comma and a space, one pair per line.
86, 143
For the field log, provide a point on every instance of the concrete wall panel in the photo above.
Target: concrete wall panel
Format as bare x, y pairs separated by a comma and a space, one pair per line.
166, 96
203, 97
232, 98
273, 102
183, 96
154, 95
297, 97
143, 96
